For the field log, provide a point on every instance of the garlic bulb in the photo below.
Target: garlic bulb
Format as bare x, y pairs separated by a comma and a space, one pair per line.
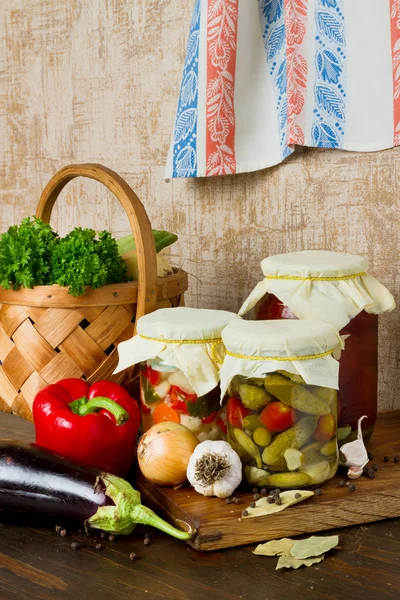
355, 454
214, 469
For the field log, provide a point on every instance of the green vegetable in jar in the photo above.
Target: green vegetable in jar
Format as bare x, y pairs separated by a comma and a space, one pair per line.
317, 472
254, 397
330, 448
251, 422
255, 476
255, 381
248, 445
279, 466
292, 376
328, 395
262, 436
295, 437
297, 396
288, 480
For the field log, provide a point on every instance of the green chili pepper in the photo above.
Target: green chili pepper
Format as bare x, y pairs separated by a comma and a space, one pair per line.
248, 445
128, 511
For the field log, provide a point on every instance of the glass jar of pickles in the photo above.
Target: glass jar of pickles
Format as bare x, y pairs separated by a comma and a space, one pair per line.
336, 288
280, 379
179, 352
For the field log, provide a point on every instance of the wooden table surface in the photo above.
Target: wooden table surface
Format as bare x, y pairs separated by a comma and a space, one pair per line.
38, 563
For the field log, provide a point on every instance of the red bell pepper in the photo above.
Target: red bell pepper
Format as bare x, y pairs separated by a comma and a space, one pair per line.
92, 425
236, 412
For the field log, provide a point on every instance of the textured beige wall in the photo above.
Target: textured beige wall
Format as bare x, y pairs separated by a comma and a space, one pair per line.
97, 81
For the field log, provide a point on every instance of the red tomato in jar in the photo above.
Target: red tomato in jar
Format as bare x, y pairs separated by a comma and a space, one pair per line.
278, 416
209, 419
222, 425
179, 398
153, 376
235, 412
326, 428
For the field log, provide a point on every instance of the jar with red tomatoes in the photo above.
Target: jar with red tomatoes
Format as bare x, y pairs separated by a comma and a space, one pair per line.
281, 380
179, 352
334, 287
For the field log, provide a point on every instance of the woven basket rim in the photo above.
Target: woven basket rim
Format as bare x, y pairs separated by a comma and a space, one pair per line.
55, 296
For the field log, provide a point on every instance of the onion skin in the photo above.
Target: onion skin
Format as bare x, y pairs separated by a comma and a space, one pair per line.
164, 452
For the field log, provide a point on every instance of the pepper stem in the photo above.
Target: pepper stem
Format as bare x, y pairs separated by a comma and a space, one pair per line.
83, 407
143, 515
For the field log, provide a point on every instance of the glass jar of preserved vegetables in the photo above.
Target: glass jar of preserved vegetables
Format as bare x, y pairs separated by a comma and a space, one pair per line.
336, 288
280, 378
180, 351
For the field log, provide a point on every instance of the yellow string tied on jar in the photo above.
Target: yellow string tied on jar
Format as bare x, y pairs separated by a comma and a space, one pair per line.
281, 358
298, 278
214, 342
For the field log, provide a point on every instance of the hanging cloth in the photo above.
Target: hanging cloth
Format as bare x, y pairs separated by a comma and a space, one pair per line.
263, 76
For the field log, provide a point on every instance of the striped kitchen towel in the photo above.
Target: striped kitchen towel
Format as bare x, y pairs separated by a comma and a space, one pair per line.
261, 76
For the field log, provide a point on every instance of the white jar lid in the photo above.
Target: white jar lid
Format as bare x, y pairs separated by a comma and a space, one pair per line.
183, 323
319, 284
314, 263
255, 348
188, 339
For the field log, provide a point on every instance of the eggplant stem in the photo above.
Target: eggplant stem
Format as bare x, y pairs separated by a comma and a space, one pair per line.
145, 516
83, 407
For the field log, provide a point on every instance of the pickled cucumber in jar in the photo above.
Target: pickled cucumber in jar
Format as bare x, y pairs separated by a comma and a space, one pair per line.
282, 422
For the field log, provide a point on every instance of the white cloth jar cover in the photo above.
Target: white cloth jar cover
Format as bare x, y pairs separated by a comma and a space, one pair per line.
306, 348
182, 338
261, 76
319, 284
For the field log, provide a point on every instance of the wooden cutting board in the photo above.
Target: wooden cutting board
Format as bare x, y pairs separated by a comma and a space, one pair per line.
219, 525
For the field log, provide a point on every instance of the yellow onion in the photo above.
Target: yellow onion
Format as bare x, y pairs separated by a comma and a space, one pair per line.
164, 452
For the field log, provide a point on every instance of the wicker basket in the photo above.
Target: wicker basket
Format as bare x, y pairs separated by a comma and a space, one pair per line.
47, 335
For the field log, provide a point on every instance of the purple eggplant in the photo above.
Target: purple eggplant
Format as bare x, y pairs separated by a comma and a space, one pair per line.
37, 482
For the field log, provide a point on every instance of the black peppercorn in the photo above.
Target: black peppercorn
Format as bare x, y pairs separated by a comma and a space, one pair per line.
263, 491
374, 467
74, 545
256, 496
277, 500
253, 505
132, 556
270, 500
352, 487
318, 492
385, 459
396, 459
297, 496
342, 483
227, 501
244, 513
370, 456
254, 490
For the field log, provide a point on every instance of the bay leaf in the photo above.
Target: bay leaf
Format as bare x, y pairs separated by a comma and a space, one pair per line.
263, 508
314, 546
289, 562
275, 547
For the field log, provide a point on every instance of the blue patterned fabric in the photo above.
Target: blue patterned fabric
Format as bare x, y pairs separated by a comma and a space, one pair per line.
330, 61
272, 18
185, 133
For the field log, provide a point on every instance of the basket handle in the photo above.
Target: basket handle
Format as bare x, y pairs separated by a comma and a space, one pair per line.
138, 219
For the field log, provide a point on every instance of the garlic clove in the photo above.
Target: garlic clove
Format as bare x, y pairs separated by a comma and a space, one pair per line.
355, 452
354, 472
